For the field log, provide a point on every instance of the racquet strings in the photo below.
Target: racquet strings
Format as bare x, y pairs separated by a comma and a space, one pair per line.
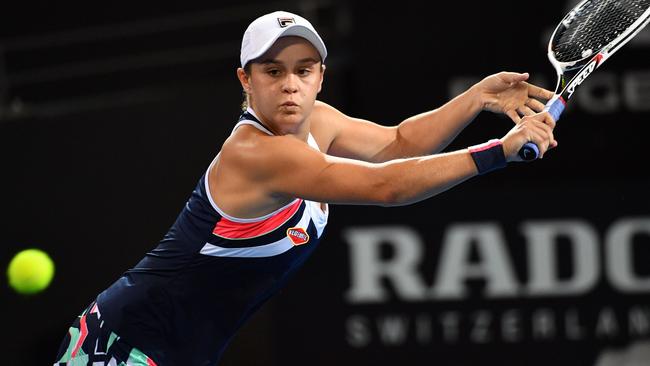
596, 25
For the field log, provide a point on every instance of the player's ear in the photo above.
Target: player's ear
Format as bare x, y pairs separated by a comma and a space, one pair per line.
322, 72
243, 79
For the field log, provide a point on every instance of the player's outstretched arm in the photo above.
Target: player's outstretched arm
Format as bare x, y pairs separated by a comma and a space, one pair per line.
286, 166
430, 132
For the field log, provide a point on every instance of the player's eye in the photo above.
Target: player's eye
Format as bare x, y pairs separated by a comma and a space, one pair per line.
273, 72
304, 71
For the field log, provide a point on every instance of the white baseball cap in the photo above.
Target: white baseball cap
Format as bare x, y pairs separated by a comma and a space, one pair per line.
262, 33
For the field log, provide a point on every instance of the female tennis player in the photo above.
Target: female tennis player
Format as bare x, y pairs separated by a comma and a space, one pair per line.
261, 207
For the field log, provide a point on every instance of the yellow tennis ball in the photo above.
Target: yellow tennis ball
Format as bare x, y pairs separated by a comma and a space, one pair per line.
30, 271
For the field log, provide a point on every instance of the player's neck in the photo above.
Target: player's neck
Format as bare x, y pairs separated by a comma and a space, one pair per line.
299, 129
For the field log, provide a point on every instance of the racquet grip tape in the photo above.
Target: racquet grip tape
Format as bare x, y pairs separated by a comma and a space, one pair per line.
488, 156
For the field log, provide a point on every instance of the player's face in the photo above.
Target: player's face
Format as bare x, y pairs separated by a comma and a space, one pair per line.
284, 82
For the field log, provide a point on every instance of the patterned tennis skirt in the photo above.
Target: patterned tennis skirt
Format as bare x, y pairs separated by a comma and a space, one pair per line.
90, 343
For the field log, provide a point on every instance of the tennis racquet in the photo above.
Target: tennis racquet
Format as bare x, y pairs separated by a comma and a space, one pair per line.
587, 36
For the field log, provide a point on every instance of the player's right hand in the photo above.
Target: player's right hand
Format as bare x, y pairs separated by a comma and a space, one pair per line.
536, 128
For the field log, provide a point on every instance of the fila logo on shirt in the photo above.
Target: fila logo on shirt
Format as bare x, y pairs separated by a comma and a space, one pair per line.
297, 235
284, 22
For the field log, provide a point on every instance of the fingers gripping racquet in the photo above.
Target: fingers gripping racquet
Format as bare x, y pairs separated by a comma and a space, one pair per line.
587, 36
554, 107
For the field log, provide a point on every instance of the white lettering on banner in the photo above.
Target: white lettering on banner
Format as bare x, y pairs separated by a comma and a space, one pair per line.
358, 331
572, 327
368, 268
455, 266
543, 324
450, 326
422, 332
638, 323
600, 94
370, 273
480, 329
511, 324
508, 326
607, 324
393, 330
542, 245
636, 90
619, 254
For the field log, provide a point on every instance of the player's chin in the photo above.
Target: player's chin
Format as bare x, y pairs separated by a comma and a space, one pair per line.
289, 121
290, 114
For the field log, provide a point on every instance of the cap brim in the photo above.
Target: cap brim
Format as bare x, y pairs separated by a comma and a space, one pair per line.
298, 31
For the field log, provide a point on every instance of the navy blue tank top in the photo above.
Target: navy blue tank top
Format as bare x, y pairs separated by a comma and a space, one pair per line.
183, 302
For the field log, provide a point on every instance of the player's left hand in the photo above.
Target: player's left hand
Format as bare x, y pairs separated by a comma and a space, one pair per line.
510, 94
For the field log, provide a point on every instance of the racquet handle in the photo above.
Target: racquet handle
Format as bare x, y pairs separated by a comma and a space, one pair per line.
554, 107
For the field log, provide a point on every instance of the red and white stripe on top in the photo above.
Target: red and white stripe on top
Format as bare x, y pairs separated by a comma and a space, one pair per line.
233, 228
230, 229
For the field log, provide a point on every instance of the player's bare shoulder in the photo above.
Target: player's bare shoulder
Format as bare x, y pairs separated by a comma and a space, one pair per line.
258, 156
328, 115
323, 112
326, 122
247, 151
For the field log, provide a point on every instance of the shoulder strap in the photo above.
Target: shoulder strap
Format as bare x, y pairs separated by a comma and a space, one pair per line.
248, 118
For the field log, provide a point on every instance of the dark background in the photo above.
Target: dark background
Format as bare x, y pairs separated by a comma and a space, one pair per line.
110, 112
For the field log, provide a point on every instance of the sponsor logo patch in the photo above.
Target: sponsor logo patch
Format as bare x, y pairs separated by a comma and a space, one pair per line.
284, 22
297, 235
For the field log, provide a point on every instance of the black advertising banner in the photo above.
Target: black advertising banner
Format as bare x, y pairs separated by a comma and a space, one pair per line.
539, 264
108, 119
474, 278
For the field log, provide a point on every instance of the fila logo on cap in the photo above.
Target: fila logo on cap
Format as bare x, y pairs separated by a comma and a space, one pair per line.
284, 22
298, 235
